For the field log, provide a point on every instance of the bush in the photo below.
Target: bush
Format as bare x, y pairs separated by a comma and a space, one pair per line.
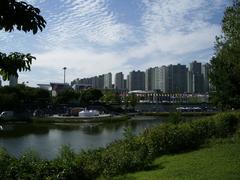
125, 156
178, 137
90, 163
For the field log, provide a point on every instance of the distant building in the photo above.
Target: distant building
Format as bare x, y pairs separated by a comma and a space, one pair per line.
58, 88
161, 79
94, 82
119, 81
128, 81
0, 82
190, 82
177, 78
79, 87
125, 84
108, 81
198, 84
150, 79
13, 80
100, 83
136, 80
205, 73
44, 86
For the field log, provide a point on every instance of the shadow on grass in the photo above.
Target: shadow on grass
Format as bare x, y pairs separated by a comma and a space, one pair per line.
154, 167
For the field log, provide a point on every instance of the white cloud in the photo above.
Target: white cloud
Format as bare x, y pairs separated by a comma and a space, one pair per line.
83, 21
79, 63
169, 31
176, 28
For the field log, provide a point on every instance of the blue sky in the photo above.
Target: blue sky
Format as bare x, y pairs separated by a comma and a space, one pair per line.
92, 37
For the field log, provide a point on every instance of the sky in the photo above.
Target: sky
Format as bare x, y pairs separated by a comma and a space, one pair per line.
93, 37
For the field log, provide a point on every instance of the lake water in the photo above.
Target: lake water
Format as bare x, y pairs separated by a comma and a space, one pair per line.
46, 139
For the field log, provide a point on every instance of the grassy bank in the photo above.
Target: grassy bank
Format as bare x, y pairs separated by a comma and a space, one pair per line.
220, 160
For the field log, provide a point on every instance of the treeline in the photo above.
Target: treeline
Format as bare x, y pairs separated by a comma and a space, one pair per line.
122, 156
21, 97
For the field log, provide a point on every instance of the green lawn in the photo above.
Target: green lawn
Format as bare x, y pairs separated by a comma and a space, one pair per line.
220, 160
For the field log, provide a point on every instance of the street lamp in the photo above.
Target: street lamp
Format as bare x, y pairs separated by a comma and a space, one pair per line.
64, 69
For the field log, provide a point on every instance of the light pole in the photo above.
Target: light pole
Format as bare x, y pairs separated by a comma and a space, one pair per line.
64, 69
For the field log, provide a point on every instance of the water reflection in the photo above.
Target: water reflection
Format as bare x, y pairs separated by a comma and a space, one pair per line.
47, 138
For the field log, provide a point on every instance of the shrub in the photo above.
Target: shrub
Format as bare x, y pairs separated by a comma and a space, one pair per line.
89, 163
178, 137
125, 156
5, 162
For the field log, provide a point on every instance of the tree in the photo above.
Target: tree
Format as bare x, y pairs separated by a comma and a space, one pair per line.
131, 100
23, 17
67, 96
225, 65
21, 98
111, 97
90, 95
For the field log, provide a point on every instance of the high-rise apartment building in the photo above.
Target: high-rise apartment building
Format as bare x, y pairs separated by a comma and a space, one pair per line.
150, 79
177, 78
125, 84
108, 81
197, 84
190, 82
119, 81
128, 81
136, 80
100, 82
205, 73
162, 79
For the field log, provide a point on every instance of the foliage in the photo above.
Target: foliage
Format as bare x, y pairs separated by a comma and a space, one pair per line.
111, 97
23, 17
225, 65
22, 97
175, 117
90, 95
130, 100
172, 138
10, 64
66, 96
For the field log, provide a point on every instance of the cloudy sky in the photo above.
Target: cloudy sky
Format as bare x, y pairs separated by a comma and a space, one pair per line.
92, 37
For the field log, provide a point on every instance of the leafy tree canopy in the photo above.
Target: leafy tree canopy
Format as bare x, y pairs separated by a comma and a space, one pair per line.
225, 65
90, 95
23, 17
111, 97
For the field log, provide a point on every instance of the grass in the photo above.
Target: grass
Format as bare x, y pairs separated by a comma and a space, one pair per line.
219, 160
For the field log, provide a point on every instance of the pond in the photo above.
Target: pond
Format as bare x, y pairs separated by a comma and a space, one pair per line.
46, 139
